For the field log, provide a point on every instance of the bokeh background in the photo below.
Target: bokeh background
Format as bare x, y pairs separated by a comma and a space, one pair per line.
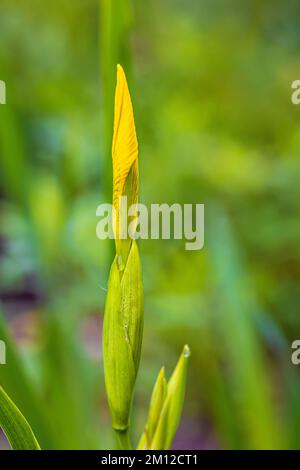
211, 86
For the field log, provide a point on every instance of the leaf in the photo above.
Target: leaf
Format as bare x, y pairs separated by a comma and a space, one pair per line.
15, 426
172, 409
156, 404
16, 380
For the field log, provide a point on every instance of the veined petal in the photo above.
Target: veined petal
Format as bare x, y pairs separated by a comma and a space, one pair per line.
125, 145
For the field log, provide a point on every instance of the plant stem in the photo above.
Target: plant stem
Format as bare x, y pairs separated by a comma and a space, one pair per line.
123, 440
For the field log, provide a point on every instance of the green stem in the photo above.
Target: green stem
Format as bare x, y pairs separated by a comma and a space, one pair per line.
123, 440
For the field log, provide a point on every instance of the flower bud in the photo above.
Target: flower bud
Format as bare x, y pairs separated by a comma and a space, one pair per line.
123, 316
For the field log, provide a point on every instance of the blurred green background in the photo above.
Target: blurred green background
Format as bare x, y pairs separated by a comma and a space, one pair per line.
211, 86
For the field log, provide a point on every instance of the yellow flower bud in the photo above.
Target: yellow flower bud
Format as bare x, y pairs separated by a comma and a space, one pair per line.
123, 316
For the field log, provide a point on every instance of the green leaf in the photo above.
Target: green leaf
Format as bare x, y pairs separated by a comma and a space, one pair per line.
16, 380
172, 409
156, 404
15, 426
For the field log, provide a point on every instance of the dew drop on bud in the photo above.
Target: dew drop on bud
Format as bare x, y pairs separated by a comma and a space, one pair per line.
186, 351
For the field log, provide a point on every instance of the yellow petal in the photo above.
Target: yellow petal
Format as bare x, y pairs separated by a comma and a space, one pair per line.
125, 145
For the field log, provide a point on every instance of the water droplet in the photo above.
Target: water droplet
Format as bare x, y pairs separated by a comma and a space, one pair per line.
186, 351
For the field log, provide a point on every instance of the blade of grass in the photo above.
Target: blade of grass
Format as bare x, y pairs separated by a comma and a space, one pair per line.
15, 426
67, 382
276, 340
249, 380
16, 381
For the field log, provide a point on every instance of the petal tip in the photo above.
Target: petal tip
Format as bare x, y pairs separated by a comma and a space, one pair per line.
120, 70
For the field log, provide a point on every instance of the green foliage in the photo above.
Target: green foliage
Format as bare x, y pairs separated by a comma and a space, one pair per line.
166, 407
18, 383
15, 426
157, 400
215, 125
